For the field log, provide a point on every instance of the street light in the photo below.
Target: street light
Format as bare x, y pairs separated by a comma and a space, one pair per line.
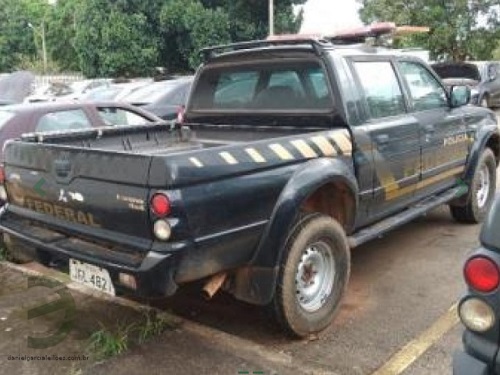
44, 48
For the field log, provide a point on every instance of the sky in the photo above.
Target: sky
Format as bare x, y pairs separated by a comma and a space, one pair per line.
327, 16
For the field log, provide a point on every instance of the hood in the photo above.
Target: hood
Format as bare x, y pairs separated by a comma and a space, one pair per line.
460, 82
457, 71
16, 86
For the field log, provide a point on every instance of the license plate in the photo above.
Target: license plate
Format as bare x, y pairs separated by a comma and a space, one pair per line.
92, 276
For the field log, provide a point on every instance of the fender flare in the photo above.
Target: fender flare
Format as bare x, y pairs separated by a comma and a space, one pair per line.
256, 283
483, 136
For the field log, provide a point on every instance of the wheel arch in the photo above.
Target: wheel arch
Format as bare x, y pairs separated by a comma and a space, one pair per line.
487, 137
317, 186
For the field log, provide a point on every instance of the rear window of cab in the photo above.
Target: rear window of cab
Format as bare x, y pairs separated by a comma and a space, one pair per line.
301, 86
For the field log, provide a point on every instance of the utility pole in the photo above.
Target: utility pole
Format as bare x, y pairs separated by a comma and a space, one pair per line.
44, 46
271, 17
44, 49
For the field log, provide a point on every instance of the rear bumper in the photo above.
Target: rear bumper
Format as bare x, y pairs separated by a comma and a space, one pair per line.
153, 271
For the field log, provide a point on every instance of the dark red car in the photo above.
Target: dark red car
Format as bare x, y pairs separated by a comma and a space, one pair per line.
46, 117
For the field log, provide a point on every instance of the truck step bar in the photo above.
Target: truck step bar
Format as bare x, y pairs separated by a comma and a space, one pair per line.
418, 209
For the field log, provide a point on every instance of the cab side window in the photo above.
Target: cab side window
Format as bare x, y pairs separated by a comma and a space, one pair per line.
425, 90
381, 88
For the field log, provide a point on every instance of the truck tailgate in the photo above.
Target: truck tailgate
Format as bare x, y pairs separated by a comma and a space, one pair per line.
83, 188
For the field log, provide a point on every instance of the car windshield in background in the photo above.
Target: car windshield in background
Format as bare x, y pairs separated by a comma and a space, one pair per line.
151, 93
468, 71
283, 86
102, 94
5, 116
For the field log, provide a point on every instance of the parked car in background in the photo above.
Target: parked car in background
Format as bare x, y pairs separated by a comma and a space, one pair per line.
115, 92
479, 309
163, 98
14, 87
48, 92
483, 77
16, 120
79, 88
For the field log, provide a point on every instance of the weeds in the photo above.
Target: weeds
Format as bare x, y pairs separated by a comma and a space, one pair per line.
154, 325
105, 343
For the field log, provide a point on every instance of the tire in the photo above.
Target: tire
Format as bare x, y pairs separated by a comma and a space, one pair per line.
481, 192
16, 251
316, 244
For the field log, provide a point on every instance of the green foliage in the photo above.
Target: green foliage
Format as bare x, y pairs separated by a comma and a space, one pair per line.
154, 325
459, 29
188, 26
61, 32
110, 42
496, 52
106, 343
123, 38
16, 38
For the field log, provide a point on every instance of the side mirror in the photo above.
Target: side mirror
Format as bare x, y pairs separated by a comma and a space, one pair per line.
459, 96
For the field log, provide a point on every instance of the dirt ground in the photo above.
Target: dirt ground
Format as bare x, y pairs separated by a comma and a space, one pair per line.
398, 318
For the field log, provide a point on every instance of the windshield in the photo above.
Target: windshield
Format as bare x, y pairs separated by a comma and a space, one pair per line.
467, 71
151, 93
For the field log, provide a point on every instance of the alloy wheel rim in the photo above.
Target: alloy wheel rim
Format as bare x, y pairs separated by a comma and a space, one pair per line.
483, 186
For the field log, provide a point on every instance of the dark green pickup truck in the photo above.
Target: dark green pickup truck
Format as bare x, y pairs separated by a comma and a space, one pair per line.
289, 154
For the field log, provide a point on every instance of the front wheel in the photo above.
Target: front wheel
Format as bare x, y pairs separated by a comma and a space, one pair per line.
481, 192
313, 276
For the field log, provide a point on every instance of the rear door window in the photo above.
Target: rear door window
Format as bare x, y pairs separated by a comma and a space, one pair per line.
63, 120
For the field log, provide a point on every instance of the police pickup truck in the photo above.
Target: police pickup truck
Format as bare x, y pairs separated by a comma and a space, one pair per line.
290, 153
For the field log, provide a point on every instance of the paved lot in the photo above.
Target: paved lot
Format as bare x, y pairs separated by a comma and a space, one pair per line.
398, 318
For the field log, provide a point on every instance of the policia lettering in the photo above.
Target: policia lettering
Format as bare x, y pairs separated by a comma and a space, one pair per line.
60, 212
452, 150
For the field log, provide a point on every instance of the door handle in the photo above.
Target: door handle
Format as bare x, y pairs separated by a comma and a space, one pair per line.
382, 139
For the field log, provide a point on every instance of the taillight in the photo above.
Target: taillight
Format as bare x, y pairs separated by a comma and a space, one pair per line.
2, 175
180, 114
482, 274
160, 205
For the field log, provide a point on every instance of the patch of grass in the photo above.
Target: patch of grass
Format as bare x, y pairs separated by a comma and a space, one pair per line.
74, 370
105, 343
154, 324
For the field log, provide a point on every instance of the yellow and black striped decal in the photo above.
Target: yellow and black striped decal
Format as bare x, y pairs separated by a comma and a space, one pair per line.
335, 142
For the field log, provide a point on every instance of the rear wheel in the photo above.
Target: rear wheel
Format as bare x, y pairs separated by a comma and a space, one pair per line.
313, 276
481, 192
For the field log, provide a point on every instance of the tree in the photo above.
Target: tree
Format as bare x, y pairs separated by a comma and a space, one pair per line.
188, 27
249, 19
459, 29
16, 38
61, 31
112, 42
